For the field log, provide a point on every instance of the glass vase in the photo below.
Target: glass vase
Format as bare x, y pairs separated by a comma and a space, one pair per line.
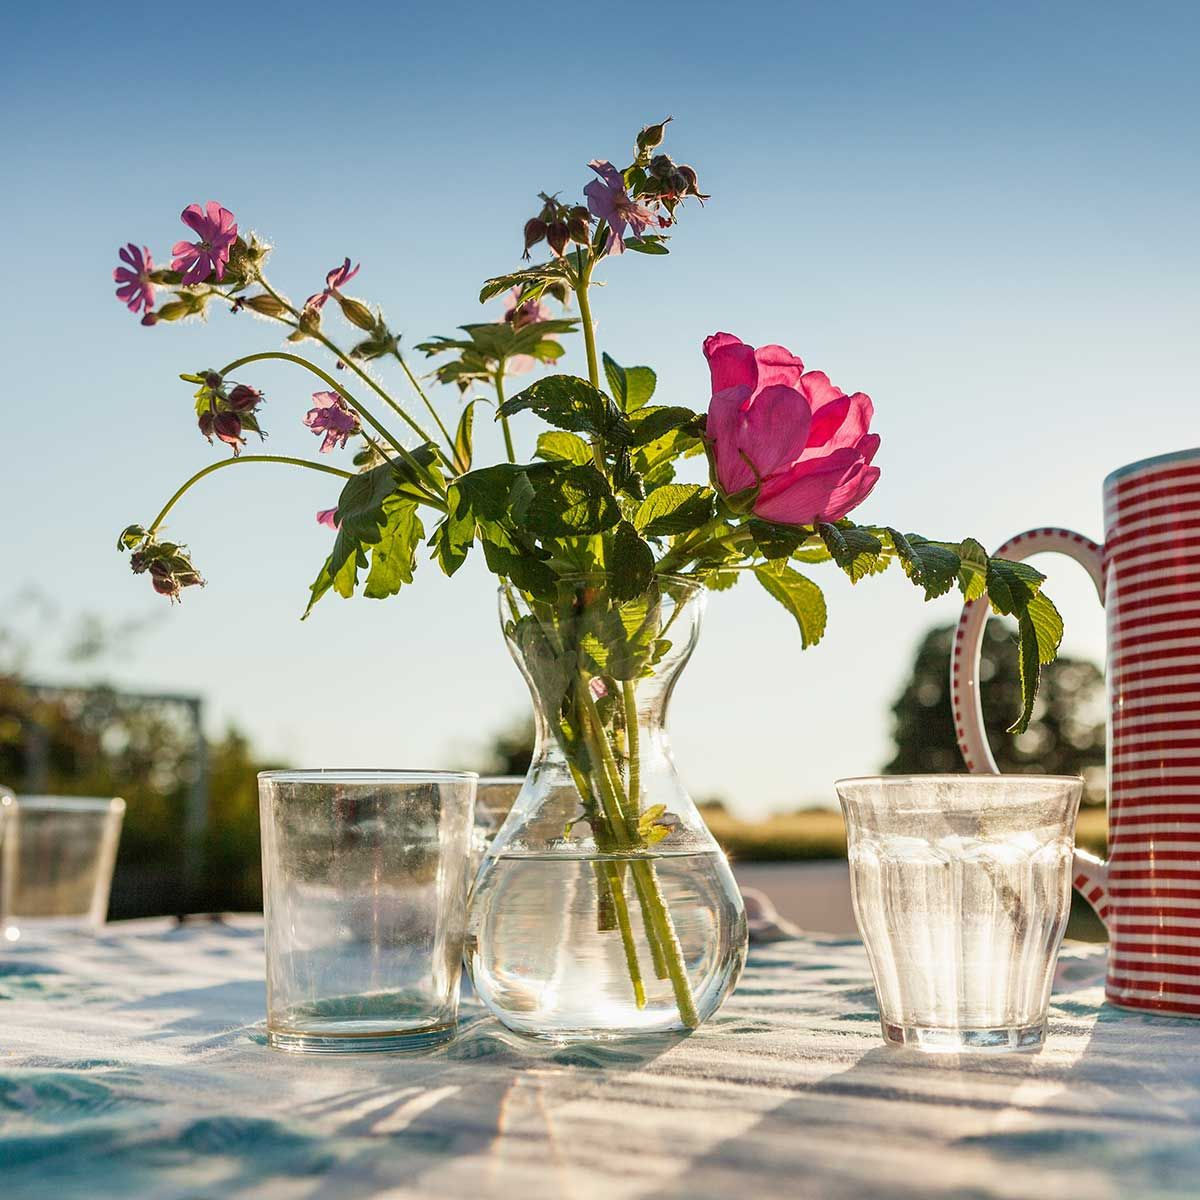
603, 908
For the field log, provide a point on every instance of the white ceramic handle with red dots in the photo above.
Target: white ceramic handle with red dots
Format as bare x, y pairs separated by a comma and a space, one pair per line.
1091, 873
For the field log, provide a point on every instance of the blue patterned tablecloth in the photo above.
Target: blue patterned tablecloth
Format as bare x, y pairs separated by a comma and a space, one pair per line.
133, 1065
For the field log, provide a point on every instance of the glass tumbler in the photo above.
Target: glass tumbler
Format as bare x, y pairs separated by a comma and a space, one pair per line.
494, 798
364, 899
56, 861
962, 888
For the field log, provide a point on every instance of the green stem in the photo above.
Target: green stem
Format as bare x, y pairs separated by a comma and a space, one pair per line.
629, 695
245, 458
583, 280
421, 471
616, 886
498, 380
660, 928
425, 400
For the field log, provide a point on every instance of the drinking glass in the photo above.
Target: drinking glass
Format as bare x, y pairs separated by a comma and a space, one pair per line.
56, 861
364, 898
961, 887
494, 798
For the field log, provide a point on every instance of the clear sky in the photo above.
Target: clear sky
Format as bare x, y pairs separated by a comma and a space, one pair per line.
984, 215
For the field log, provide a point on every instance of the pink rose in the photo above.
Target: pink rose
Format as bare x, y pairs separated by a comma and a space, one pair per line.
804, 442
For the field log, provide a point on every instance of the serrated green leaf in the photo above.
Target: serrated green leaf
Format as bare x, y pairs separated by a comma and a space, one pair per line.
464, 440
631, 387
931, 565
648, 424
532, 281
571, 501
1048, 627
857, 551
1012, 585
394, 556
800, 596
570, 403
646, 245
1029, 670
972, 569
559, 446
630, 563
675, 508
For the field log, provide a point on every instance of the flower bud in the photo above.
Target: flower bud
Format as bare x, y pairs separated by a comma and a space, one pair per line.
558, 235
165, 585
662, 166
131, 536
692, 187
651, 135
244, 399
355, 311
211, 380
205, 422
265, 305
228, 428
535, 231
579, 225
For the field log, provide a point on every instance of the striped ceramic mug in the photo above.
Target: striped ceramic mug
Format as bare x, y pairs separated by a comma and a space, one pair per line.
1147, 574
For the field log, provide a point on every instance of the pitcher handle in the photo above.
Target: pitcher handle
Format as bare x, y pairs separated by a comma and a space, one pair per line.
1091, 873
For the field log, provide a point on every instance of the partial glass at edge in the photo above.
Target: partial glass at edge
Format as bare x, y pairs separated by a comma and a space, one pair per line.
364, 898
57, 855
962, 888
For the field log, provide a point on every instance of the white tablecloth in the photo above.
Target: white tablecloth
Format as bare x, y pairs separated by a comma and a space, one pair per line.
134, 1065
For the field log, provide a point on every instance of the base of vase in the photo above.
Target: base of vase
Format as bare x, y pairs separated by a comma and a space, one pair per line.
1000, 1039
407, 1041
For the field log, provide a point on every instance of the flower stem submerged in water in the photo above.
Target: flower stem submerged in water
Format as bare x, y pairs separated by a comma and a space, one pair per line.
543, 949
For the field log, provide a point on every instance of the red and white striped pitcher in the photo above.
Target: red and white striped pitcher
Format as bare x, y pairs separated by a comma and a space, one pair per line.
1148, 576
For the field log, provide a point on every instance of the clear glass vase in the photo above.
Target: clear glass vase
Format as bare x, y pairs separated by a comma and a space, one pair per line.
603, 908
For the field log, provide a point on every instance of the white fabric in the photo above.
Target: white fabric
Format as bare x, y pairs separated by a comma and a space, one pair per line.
133, 1065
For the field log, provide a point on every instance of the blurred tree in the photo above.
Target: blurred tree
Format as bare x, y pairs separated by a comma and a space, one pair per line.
1065, 737
510, 751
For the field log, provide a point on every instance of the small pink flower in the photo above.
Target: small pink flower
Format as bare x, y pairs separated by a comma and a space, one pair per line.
532, 312
136, 290
337, 278
804, 443
333, 417
328, 517
206, 258
609, 201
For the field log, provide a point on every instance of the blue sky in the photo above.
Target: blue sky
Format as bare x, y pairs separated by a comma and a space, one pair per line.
985, 216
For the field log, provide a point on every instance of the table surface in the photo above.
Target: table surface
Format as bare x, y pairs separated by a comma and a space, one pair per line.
134, 1064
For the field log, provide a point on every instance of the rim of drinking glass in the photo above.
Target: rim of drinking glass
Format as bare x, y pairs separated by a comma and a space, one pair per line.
504, 780
363, 775
111, 804
963, 776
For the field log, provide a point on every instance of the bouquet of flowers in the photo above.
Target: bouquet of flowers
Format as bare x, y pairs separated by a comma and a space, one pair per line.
590, 538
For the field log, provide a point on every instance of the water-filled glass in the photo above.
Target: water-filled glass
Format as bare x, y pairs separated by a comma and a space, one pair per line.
962, 888
56, 861
364, 899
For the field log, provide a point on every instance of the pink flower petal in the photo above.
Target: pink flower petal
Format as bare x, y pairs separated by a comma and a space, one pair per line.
777, 364
731, 363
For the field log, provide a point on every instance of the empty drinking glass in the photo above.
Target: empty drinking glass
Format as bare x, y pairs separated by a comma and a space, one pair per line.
56, 861
494, 798
364, 898
962, 888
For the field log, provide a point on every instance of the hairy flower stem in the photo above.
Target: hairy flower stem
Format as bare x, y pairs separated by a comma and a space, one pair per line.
583, 280
416, 467
229, 462
424, 400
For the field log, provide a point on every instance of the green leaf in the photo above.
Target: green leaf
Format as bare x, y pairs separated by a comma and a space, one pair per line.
857, 551
558, 446
464, 440
572, 501
676, 508
509, 560
532, 281
931, 565
1047, 626
780, 541
1029, 670
631, 387
800, 596
972, 569
1012, 585
630, 563
650, 244
394, 556
570, 403
649, 424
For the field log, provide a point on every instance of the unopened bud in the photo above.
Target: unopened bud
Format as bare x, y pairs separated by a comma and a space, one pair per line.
355, 311
212, 380
535, 231
662, 166
652, 135
579, 225
557, 237
205, 421
266, 305
244, 399
228, 428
